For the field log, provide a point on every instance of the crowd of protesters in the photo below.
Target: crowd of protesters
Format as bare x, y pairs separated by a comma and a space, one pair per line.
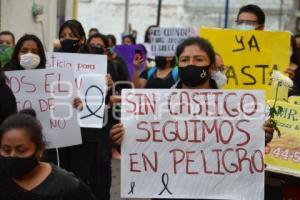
28, 170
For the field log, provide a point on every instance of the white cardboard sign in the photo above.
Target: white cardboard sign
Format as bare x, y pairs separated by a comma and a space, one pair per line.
199, 144
165, 40
87, 69
93, 92
50, 93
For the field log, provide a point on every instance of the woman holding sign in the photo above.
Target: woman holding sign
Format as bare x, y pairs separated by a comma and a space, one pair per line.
22, 175
84, 160
77, 159
196, 58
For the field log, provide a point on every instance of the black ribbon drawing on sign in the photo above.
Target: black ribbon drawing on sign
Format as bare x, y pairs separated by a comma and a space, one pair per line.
165, 182
132, 185
93, 113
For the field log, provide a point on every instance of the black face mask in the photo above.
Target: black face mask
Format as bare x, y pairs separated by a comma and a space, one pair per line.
161, 62
16, 167
69, 46
97, 50
193, 76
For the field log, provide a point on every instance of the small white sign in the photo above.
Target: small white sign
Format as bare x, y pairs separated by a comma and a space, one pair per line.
50, 93
89, 71
165, 40
93, 94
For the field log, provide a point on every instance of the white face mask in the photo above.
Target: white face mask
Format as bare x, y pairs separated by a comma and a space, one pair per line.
220, 78
245, 27
30, 61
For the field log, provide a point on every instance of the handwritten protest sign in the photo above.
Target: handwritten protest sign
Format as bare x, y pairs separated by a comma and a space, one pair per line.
283, 153
193, 144
94, 100
128, 52
294, 100
250, 55
50, 93
84, 66
165, 40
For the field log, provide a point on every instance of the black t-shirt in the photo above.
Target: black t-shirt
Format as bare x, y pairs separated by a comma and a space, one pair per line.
8, 103
212, 84
59, 185
155, 82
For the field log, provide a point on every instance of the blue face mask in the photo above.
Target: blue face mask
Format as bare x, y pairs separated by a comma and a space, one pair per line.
111, 50
245, 27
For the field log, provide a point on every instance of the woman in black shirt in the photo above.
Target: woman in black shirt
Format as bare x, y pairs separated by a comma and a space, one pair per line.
22, 175
163, 75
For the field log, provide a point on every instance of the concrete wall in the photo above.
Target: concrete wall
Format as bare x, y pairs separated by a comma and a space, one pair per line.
108, 15
16, 17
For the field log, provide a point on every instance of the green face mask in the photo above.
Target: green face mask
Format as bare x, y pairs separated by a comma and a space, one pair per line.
3, 47
5, 56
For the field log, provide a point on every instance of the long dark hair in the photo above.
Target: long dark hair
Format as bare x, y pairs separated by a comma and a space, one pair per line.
130, 37
15, 63
147, 33
295, 56
2, 78
78, 30
101, 36
75, 27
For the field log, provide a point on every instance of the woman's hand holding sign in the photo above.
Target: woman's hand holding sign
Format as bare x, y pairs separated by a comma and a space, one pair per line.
77, 104
117, 133
268, 132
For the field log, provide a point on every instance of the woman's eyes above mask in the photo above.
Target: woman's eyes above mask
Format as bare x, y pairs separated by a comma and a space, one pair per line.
35, 51
199, 59
183, 59
195, 59
24, 51
6, 150
68, 36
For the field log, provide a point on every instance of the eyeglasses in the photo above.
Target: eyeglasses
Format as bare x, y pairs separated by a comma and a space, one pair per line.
247, 22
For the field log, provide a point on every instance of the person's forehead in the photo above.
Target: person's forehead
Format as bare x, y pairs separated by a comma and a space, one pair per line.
30, 43
97, 40
193, 50
297, 39
247, 16
15, 137
6, 37
67, 30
